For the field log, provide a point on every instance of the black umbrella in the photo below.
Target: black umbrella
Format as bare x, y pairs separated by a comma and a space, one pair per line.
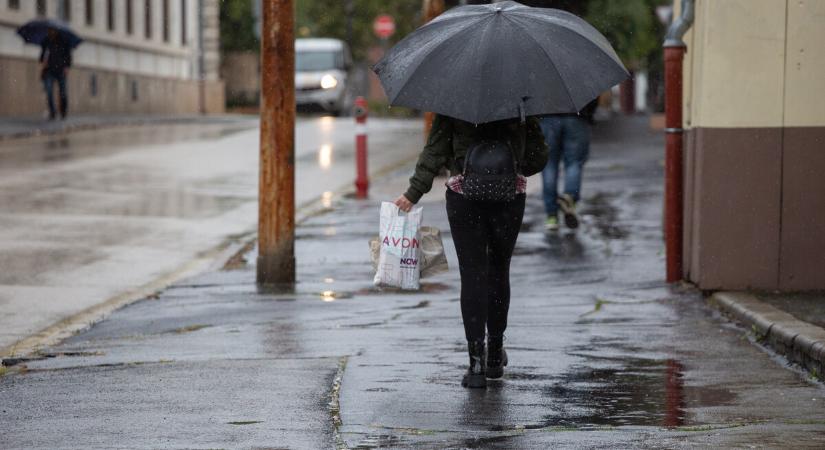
36, 32
480, 62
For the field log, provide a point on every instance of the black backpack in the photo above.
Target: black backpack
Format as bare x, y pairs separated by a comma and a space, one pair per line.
490, 170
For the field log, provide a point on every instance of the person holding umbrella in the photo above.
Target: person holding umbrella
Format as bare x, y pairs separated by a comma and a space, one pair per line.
55, 61
56, 42
484, 71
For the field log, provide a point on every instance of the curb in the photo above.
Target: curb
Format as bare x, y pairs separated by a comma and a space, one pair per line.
124, 122
799, 341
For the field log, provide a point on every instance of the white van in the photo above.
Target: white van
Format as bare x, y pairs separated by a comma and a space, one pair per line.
321, 73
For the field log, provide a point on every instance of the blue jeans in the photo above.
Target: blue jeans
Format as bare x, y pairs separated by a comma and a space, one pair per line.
569, 140
48, 84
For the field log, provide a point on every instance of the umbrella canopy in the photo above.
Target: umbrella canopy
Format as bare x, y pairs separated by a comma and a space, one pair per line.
36, 32
480, 62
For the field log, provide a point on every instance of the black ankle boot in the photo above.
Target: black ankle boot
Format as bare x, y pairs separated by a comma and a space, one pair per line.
496, 356
475, 376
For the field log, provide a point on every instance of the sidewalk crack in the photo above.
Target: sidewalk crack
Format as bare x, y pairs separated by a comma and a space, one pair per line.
335, 406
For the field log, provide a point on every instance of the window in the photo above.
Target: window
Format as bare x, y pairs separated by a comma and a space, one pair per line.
14, 4
134, 90
129, 20
90, 12
40, 7
93, 85
147, 19
110, 15
165, 17
182, 22
64, 10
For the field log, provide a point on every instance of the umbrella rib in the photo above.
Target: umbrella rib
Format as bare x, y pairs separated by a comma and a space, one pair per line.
412, 74
561, 78
609, 51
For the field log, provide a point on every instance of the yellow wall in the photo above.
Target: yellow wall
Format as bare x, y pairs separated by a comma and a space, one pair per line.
738, 63
805, 65
755, 63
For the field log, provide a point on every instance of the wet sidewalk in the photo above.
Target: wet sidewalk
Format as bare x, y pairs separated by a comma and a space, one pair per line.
602, 352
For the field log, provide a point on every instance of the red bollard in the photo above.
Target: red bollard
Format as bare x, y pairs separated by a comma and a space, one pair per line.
362, 182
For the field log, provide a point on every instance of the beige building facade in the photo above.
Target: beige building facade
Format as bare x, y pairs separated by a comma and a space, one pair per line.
754, 114
138, 56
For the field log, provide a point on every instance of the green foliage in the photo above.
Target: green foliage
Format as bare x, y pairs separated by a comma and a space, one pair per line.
238, 26
328, 18
631, 27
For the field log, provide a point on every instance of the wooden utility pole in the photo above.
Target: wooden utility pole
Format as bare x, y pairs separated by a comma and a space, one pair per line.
431, 9
276, 200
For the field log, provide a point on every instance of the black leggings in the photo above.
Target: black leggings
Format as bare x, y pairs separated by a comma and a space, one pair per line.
484, 234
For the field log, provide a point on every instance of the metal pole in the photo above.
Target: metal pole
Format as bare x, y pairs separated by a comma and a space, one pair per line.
276, 202
674, 49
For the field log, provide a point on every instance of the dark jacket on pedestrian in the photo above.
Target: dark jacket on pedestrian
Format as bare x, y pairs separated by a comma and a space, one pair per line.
57, 55
450, 138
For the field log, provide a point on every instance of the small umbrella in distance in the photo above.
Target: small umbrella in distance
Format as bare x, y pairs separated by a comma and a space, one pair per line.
482, 63
36, 32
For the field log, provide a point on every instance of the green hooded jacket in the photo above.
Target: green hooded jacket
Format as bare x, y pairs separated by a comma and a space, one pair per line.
449, 139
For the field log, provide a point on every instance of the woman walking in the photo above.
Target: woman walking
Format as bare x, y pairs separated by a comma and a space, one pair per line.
484, 69
484, 231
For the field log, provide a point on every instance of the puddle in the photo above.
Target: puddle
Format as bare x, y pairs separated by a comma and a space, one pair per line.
641, 392
605, 216
13, 361
245, 422
331, 296
421, 304
426, 288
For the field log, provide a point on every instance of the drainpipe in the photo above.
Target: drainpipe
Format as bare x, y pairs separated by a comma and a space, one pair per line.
674, 52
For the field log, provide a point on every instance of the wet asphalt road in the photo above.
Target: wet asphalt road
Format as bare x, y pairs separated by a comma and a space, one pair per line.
602, 353
93, 215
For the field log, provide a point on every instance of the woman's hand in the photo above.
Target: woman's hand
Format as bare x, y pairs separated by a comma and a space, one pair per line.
403, 204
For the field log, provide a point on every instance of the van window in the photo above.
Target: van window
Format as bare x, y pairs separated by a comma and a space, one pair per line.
313, 61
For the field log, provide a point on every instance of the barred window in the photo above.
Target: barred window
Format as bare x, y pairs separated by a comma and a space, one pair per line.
129, 18
165, 17
110, 15
90, 12
147, 19
183, 37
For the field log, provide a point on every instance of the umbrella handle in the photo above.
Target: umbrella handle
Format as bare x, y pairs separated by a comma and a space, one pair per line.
521, 113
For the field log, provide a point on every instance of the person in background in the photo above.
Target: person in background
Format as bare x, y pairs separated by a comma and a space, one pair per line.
568, 136
55, 60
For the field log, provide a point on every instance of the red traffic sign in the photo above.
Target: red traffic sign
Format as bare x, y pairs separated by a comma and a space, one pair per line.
384, 26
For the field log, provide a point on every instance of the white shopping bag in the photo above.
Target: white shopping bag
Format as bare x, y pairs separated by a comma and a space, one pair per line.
433, 260
398, 260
